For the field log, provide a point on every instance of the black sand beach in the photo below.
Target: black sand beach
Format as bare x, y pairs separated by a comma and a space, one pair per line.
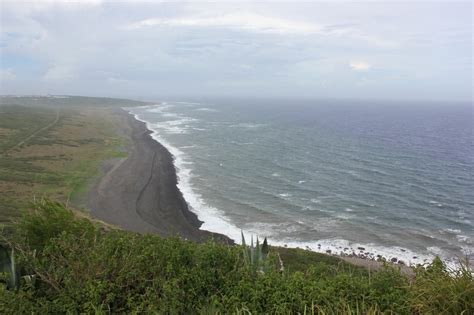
139, 193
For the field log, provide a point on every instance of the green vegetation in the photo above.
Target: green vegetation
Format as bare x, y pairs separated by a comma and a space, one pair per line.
297, 259
81, 267
68, 101
54, 147
18, 122
256, 257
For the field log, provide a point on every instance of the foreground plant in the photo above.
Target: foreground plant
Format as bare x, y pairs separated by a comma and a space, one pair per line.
255, 257
80, 267
439, 289
8, 267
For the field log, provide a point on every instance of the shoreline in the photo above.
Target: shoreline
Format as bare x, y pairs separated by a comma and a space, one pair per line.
139, 193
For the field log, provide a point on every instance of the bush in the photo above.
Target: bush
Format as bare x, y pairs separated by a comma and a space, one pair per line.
438, 290
82, 268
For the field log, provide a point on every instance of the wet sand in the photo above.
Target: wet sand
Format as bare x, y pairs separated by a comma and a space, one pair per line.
139, 193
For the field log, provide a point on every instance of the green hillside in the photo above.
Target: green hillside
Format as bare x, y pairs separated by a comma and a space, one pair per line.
54, 147
71, 265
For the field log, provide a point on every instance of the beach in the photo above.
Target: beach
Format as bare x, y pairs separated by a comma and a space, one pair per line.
139, 192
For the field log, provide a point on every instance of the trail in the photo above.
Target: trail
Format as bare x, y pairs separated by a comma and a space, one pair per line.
19, 144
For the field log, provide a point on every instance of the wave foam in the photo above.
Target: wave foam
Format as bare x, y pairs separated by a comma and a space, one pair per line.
206, 109
247, 125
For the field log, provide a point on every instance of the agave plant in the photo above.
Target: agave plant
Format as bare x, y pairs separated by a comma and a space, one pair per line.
255, 257
8, 266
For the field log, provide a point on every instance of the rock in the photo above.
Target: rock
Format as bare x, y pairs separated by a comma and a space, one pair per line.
360, 248
415, 257
402, 250
346, 248
329, 251
394, 260
400, 262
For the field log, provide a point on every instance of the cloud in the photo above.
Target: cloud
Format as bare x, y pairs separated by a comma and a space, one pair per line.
59, 72
7, 74
46, 3
248, 22
360, 66
122, 48
264, 24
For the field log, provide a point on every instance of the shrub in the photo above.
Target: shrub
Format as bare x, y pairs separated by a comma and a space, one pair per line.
439, 290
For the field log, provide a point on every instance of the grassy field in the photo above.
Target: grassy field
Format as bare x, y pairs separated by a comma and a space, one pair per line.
54, 147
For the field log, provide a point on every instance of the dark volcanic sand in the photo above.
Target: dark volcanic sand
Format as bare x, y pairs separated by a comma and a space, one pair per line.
139, 193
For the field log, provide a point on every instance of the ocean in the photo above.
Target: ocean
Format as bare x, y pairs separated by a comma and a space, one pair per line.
370, 178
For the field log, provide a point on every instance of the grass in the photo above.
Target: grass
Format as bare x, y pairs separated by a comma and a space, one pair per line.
296, 259
17, 123
67, 102
60, 161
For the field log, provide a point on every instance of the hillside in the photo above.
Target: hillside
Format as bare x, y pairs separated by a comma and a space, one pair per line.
54, 147
69, 264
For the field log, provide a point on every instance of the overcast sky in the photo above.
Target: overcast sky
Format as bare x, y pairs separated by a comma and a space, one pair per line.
383, 50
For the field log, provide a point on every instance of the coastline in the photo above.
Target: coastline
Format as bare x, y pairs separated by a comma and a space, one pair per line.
139, 193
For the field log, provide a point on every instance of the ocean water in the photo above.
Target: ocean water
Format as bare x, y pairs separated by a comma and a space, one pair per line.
372, 178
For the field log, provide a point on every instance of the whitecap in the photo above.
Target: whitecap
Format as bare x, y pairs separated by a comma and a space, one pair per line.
247, 125
344, 216
450, 231
436, 203
206, 109
435, 250
464, 239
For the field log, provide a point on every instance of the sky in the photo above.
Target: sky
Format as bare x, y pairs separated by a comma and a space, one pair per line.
289, 49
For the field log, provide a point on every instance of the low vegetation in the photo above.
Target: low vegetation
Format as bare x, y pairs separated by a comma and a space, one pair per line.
53, 147
69, 264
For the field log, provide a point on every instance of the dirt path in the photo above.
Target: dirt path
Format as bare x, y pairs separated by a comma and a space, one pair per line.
19, 144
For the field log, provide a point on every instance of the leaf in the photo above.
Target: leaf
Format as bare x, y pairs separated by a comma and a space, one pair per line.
265, 248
